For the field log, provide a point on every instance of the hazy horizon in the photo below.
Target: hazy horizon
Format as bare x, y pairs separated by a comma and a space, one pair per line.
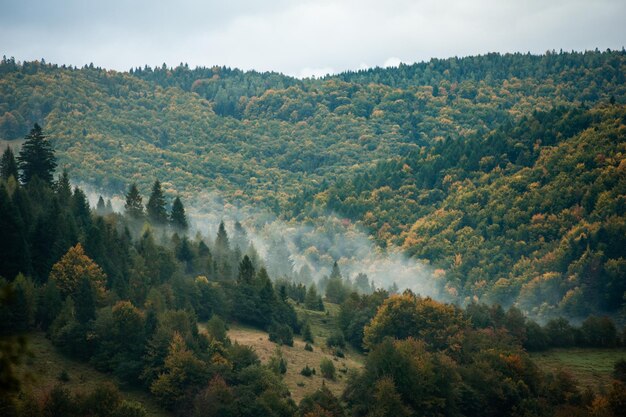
299, 38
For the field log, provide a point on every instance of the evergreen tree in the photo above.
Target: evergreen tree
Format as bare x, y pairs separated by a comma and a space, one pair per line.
178, 219
85, 303
246, 271
100, 207
254, 256
64, 188
336, 292
13, 246
134, 204
156, 205
226, 269
312, 300
222, 243
81, 209
37, 157
8, 165
240, 237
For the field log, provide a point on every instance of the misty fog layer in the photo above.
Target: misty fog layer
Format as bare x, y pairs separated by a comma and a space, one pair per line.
287, 247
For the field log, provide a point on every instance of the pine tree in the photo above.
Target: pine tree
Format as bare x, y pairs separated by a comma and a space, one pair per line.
336, 292
312, 300
85, 303
156, 205
240, 237
254, 257
223, 255
80, 208
222, 243
64, 188
178, 219
37, 157
8, 165
134, 205
13, 246
100, 207
246, 271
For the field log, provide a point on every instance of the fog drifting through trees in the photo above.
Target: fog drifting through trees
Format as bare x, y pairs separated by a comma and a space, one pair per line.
317, 245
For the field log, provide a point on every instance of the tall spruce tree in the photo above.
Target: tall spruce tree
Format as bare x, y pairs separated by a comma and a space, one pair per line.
8, 165
64, 189
134, 203
178, 219
13, 246
226, 269
222, 242
100, 206
37, 157
246, 271
156, 205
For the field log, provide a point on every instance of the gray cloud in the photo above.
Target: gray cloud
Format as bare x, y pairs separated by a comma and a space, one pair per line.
299, 37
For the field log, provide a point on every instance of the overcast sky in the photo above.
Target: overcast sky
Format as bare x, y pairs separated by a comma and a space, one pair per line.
300, 38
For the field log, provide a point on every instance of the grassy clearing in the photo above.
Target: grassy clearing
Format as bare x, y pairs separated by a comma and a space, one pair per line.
42, 369
322, 326
591, 367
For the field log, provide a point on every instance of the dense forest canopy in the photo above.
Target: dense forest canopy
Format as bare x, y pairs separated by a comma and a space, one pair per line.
502, 176
125, 292
503, 171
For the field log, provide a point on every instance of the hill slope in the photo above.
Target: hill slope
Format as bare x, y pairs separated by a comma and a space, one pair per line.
504, 170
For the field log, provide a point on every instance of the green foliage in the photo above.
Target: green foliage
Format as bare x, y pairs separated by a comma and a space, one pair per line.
321, 403
336, 289
216, 400
600, 332
327, 368
312, 300
307, 334
134, 205
356, 312
216, 328
36, 158
155, 208
336, 340
243, 356
8, 165
407, 315
306, 371
184, 374
277, 362
281, 334
178, 219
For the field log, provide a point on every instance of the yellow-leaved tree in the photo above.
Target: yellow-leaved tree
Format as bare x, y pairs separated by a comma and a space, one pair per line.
73, 267
410, 316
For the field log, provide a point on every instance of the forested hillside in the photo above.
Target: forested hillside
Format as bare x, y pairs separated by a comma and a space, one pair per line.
532, 213
125, 293
504, 171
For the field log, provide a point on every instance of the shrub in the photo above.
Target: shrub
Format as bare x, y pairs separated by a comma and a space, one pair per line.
63, 376
306, 371
308, 347
327, 368
277, 362
281, 334
307, 335
336, 340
